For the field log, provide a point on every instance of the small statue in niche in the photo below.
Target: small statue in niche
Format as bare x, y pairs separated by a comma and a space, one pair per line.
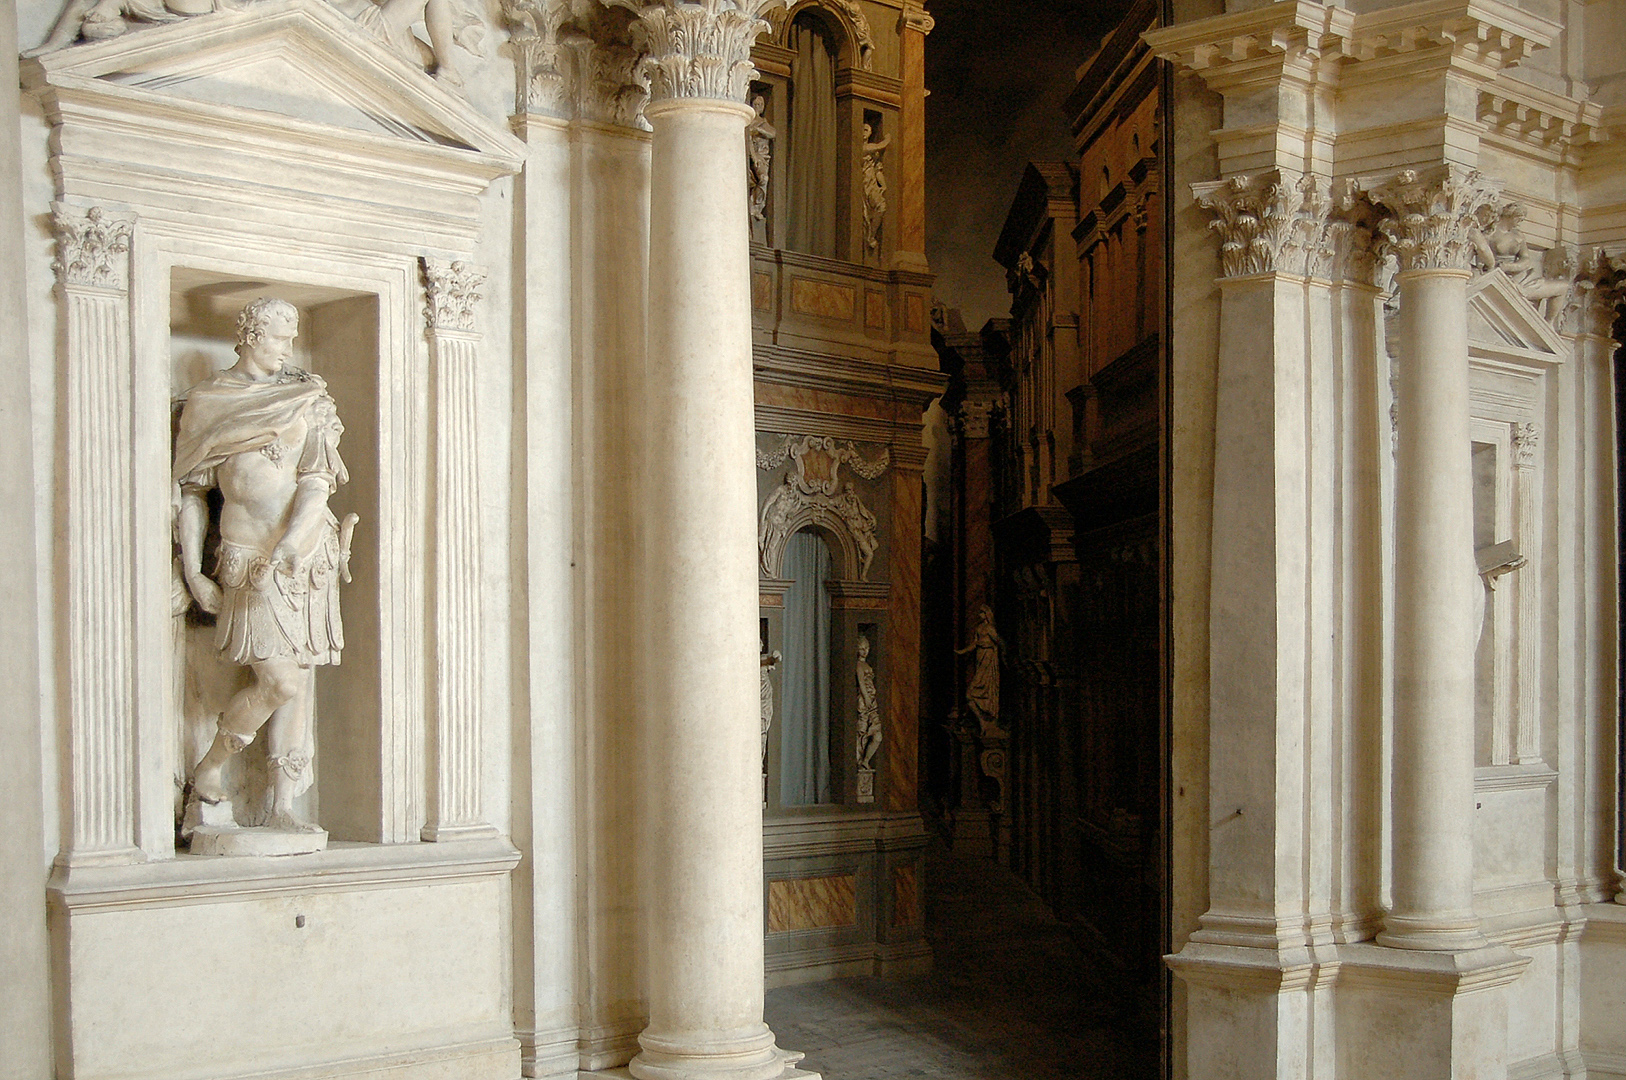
98, 20
869, 722
266, 437
447, 22
874, 191
759, 138
767, 664
982, 692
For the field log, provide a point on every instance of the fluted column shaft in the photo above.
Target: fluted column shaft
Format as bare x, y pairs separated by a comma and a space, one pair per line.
1434, 572
703, 729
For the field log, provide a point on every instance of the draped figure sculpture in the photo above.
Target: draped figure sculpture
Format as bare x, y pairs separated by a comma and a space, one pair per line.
869, 721
982, 692
265, 436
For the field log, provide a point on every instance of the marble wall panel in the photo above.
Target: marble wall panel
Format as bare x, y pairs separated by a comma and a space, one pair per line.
905, 897
823, 299
812, 903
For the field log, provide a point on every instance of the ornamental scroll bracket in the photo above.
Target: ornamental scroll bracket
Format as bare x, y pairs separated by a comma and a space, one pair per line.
813, 493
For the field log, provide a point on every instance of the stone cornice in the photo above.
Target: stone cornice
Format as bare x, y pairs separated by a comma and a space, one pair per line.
1249, 48
1430, 217
1539, 119
697, 49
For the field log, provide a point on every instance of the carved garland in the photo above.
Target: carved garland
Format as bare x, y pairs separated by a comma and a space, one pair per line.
814, 494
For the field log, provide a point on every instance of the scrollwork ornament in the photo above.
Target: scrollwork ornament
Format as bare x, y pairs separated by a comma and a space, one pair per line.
454, 290
92, 248
698, 48
1430, 217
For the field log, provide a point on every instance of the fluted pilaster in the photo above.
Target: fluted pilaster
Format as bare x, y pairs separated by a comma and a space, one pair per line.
455, 809
93, 271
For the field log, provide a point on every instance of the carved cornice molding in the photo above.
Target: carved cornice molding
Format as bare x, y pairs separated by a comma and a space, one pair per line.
1430, 217
1241, 49
1540, 118
453, 288
698, 48
92, 248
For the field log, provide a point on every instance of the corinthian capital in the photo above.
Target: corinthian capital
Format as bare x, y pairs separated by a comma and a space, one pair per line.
698, 48
454, 290
1272, 222
1431, 217
92, 248
540, 36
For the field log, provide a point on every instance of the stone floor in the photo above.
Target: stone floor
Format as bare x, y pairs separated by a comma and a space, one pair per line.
1011, 996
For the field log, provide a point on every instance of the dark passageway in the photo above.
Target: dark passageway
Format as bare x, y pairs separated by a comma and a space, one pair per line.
1011, 997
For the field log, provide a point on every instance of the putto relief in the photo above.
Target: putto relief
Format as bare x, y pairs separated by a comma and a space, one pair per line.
259, 442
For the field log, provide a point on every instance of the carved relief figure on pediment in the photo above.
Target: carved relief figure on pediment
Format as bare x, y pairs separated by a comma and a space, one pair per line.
261, 440
1544, 277
98, 20
446, 22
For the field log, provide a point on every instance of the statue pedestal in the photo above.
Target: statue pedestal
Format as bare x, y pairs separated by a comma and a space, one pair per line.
232, 840
214, 831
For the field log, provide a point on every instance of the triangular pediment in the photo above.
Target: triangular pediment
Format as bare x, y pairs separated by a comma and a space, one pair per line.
1501, 320
298, 62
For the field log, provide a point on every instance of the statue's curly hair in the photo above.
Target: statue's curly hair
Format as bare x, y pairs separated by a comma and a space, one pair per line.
257, 315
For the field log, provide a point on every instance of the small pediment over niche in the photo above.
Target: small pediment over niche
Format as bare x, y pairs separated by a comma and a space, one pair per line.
1501, 321
289, 61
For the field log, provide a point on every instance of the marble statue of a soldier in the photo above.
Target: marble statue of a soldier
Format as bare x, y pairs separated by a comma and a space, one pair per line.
266, 435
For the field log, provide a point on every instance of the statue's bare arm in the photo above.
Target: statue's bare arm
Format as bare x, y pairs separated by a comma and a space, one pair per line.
305, 522
194, 521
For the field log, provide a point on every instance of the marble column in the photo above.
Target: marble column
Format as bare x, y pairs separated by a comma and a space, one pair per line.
702, 771
910, 252
1428, 223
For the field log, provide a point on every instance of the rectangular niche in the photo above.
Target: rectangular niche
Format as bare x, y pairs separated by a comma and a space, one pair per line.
339, 341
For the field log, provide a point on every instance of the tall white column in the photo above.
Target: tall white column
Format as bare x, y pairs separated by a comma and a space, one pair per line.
702, 770
455, 808
1430, 216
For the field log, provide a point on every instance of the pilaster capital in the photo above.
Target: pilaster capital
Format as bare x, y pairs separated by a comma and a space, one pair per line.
1526, 439
976, 417
698, 48
453, 288
576, 60
916, 18
1270, 222
92, 247
538, 31
1599, 290
1431, 217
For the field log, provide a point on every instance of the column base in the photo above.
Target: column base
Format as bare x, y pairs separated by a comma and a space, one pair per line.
625, 1073
1459, 933
753, 1058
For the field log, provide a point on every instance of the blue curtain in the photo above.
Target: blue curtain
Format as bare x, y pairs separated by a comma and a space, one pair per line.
804, 740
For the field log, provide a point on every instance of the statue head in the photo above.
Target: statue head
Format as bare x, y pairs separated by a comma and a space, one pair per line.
863, 646
265, 331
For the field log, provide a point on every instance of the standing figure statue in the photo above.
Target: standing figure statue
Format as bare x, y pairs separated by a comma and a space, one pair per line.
874, 191
759, 137
266, 437
869, 715
982, 693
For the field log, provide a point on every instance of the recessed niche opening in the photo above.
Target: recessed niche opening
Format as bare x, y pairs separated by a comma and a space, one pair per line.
338, 340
